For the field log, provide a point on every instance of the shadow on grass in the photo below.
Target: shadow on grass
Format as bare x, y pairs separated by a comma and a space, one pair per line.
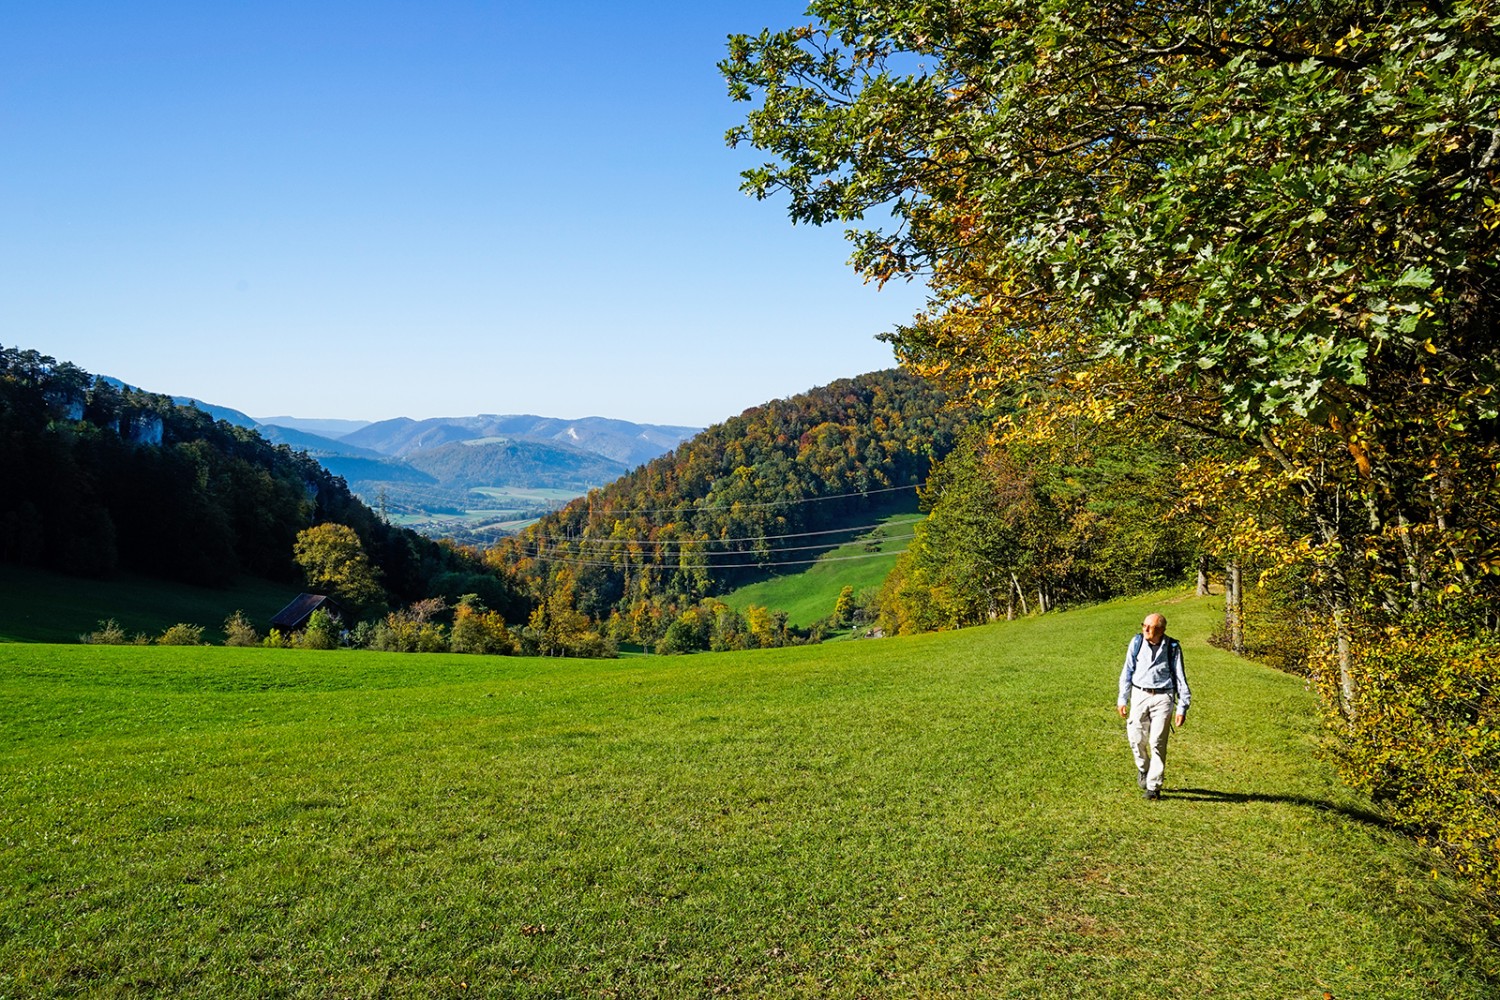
1211, 795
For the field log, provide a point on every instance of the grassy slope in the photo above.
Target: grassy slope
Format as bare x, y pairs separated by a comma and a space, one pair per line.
940, 815
48, 607
809, 595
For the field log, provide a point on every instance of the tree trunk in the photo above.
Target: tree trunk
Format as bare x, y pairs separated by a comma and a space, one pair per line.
1415, 581
1020, 594
1203, 564
1234, 606
1346, 672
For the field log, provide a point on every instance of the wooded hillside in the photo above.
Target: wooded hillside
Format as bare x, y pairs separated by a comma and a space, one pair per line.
767, 488
103, 478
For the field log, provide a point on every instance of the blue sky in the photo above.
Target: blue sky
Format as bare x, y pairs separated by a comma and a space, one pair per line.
411, 209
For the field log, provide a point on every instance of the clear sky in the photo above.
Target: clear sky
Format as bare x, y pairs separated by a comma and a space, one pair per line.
436, 208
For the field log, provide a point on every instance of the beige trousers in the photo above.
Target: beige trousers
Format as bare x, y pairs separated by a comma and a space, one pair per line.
1147, 727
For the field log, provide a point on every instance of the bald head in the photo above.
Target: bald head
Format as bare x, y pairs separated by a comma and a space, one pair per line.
1153, 627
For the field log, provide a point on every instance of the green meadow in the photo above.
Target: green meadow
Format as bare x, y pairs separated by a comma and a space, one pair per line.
945, 815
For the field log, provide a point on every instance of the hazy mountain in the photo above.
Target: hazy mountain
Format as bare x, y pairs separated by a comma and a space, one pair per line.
444, 475
506, 462
314, 444
328, 428
366, 475
218, 412
628, 443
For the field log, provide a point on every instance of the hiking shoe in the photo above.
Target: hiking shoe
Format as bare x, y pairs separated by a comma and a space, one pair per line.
1141, 779
1151, 793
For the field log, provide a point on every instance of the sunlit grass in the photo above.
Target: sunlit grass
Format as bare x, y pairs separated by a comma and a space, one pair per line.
941, 815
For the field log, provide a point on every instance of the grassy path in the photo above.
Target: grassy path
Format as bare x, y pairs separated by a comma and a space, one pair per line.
946, 815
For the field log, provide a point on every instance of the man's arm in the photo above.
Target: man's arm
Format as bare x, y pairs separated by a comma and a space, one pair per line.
1184, 696
1127, 673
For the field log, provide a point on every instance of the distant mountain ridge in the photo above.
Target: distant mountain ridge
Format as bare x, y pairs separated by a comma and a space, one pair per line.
627, 443
330, 427
621, 441
314, 444
506, 462
453, 476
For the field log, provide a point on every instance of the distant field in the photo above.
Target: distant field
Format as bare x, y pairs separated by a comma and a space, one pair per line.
935, 816
519, 496
809, 595
484, 512
48, 607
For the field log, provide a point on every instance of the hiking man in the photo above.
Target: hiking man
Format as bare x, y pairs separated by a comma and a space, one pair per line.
1151, 681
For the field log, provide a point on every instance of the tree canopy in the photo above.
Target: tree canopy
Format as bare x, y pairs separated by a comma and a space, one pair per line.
334, 560
1270, 229
104, 478
1277, 222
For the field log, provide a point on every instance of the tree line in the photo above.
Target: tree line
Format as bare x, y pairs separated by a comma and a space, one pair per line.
1013, 530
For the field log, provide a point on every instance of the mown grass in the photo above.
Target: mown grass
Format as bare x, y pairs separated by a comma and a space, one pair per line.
39, 606
943, 815
808, 596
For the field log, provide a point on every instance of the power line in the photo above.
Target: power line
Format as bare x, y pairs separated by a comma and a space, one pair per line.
750, 506
764, 564
701, 541
536, 551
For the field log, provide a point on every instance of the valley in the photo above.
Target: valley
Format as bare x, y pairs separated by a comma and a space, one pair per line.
469, 479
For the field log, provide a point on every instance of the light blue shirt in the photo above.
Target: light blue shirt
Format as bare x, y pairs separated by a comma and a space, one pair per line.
1158, 666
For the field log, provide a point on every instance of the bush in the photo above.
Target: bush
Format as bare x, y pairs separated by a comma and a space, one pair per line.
109, 633
322, 632
362, 635
181, 634
239, 632
690, 633
1424, 736
412, 630
477, 630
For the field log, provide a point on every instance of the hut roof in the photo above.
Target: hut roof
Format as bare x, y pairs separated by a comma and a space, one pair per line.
296, 614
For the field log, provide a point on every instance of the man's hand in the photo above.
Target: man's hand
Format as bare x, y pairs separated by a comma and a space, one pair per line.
1122, 710
1179, 720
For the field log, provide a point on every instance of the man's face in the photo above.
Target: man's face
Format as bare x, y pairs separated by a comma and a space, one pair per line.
1153, 628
